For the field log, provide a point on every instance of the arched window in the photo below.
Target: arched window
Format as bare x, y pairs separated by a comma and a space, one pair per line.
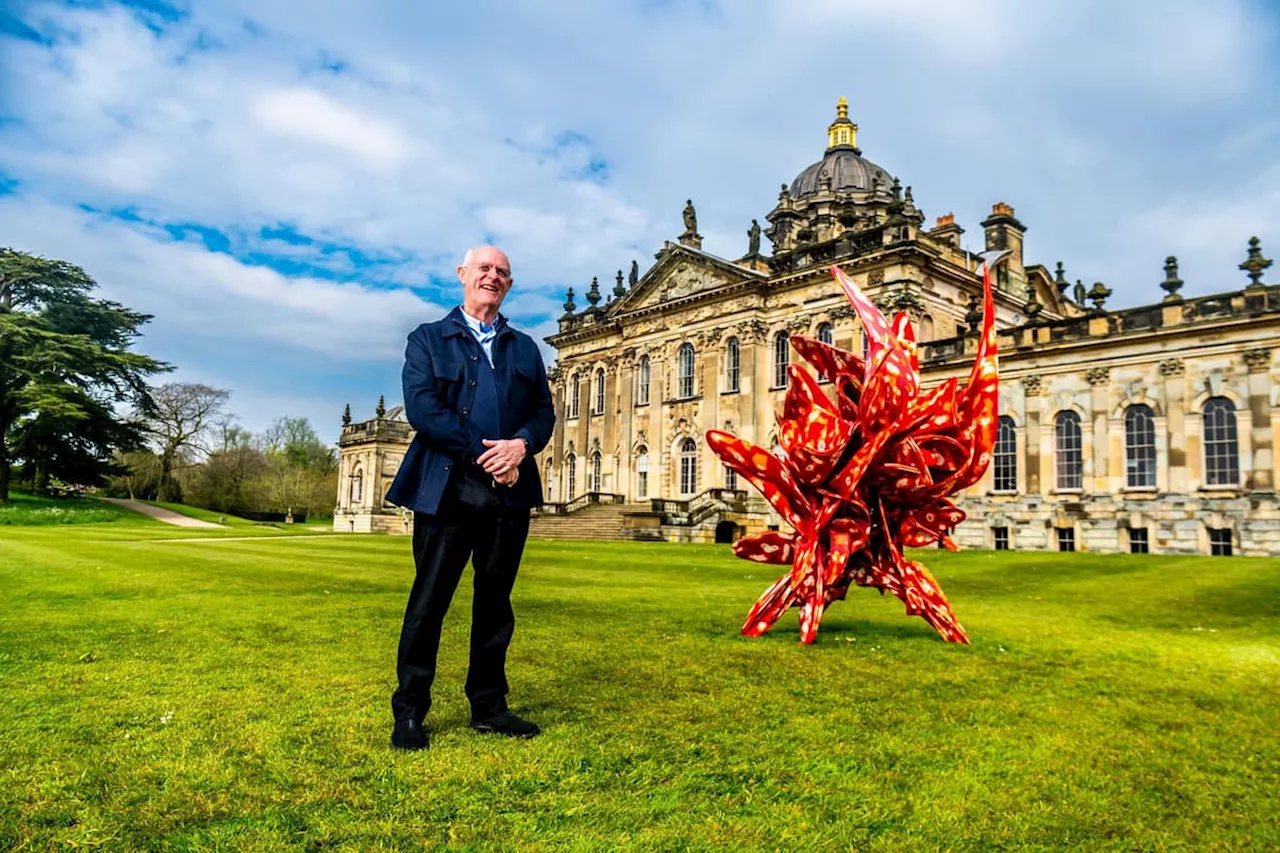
1221, 445
599, 402
574, 394
642, 472
688, 467
1069, 455
684, 372
1139, 446
1006, 456
642, 383
866, 343
781, 358
593, 480
826, 334
732, 362
571, 476
547, 478
357, 485
926, 328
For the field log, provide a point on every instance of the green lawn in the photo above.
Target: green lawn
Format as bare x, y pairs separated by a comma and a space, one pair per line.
160, 694
26, 510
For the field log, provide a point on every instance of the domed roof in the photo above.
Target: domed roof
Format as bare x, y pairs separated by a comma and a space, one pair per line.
843, 161
848, 170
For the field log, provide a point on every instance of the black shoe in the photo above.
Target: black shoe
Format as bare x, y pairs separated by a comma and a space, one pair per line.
506, 723
409, 734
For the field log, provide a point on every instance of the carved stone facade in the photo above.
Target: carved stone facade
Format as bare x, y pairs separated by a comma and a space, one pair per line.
369, 455
1150, 428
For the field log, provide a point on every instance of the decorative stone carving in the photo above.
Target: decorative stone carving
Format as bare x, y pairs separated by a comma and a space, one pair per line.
1031, 385
875, 278
1258, 360
799, 325
1098, 375
754, 330
841, 312
1172, 367
709, 337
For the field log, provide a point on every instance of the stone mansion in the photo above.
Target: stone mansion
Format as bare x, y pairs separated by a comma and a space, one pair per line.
1144, 429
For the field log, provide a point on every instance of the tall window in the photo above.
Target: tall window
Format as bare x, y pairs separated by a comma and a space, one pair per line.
1140, 446
1001, 537
571, 475
684, 372
599, 402
825, 334
926, 328
1221, 448
866, 343
357, 485
1069, 457
730, 478
642, 473
688, 467
642, 384
732, 359
547, 481
593, 479
573, 395
1006, 456
781, 358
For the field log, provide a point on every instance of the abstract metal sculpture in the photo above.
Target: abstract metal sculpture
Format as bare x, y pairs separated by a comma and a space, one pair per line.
868, 474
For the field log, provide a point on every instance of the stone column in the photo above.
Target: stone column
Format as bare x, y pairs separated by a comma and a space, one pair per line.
629, 366
1260, 476
1174, 372
1099, 398
1031, 388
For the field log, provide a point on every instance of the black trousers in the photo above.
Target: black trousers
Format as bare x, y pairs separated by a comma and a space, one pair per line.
464, 527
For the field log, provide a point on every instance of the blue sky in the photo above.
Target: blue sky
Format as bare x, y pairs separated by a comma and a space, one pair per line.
288, 186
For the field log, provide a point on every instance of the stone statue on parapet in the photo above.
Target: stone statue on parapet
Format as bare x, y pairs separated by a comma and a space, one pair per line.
753, 238
690, 218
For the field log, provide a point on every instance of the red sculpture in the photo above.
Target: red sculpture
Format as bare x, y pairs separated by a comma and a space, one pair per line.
869, 473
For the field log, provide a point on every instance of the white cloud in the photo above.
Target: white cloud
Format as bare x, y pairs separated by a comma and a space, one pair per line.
310, 115
195, 293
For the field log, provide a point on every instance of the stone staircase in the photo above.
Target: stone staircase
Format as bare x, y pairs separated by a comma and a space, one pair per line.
595, 521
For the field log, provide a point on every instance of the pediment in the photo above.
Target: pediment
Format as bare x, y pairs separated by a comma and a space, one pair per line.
680, 273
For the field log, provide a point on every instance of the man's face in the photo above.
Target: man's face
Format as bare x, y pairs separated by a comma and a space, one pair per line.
486, 278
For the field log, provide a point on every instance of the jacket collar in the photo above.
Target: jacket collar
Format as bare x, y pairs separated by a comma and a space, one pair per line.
456, 324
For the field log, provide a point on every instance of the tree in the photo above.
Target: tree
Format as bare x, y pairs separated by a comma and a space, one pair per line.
230, 480
139, 474
298, 443
179, 417
65, 361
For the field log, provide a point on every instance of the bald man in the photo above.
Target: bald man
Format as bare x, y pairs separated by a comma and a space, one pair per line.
476, 394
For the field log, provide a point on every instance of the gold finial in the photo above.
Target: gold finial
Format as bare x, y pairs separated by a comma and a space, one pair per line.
842, 132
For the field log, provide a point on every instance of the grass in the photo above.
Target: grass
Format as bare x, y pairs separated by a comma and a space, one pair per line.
207, 695
28, 510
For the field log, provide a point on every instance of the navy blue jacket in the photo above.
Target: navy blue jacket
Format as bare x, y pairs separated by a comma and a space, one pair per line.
441, 362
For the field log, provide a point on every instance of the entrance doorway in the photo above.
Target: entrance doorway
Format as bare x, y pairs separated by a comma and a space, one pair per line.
726, 533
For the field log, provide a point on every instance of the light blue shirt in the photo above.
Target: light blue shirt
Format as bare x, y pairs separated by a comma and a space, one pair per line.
483, 332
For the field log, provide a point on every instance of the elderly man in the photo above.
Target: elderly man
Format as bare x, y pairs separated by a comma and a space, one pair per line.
475, 392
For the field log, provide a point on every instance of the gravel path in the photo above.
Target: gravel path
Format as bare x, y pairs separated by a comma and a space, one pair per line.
168, 516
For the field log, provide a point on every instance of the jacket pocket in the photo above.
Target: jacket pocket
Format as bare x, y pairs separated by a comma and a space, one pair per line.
449, 372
